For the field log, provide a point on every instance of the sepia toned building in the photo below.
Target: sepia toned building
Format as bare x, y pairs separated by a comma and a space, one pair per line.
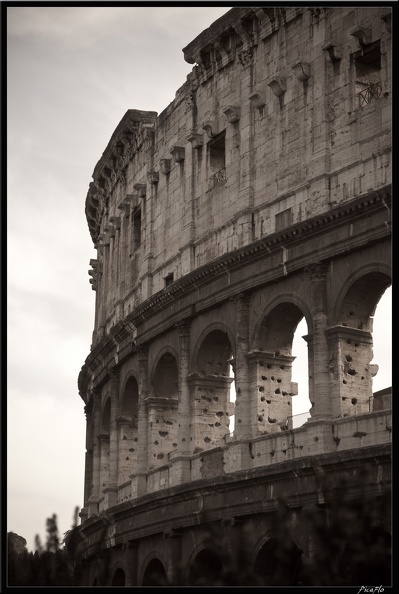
260, 196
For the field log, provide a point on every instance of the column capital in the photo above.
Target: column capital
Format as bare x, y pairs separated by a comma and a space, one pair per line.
114, 375
142, 351
242, 299
183, 327
316, 271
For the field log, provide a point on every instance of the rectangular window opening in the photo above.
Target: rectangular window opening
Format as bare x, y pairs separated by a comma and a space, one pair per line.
168, 279
284, 219
368, 73
217, 157
137, 229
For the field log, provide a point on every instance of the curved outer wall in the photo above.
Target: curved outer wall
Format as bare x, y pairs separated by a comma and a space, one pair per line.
261, 195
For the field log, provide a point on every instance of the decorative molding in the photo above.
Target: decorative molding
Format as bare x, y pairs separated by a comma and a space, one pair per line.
124, 207
116, 222
140, 189
245, 57
301, 71
165, 166
183, 328
257, 100
210, 128
316, 271
197, 140
333, 50
178, 153
387, 18
153, 176
277, 85
362, 35
232, 113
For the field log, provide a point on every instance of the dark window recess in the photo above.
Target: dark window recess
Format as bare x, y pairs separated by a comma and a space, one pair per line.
217, 158
137, 229
169, 279
368, 73
284, 219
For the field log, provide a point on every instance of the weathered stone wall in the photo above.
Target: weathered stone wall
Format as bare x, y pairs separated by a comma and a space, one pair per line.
260, 196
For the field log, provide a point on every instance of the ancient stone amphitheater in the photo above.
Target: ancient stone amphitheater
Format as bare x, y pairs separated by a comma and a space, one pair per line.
260, 196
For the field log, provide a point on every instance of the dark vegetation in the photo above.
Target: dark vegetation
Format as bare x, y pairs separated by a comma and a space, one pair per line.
48, 565
350, 545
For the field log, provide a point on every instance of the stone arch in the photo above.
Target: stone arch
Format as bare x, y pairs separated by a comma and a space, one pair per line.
127, 424
350, 341
162, 408
118, 577
277, 561
154, 573
214, 327
209, 386
284, 300
205, 568
373, 270
270, 361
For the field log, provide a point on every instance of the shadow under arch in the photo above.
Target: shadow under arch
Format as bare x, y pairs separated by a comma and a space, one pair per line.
210, 388
286, 301
351, 341
224, 335
205, 569
366, 286
277, 562
271, 360
154, 574
118, 578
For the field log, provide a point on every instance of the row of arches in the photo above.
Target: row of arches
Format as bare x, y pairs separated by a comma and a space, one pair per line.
242, 372
273, 565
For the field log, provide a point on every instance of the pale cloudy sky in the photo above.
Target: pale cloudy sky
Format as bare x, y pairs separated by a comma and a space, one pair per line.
72, 73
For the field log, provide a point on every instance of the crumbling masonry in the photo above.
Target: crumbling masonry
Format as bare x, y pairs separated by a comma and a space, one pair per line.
259, 196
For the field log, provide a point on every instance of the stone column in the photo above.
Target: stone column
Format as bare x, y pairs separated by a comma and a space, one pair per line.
96, 457
174, 555
351, 371
180, 471
242, 429
127, 449
321, 377
88, 409
183, 332
103, 443
139, 487
111, 491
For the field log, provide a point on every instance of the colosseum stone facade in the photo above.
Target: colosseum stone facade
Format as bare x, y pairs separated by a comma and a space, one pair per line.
260, 196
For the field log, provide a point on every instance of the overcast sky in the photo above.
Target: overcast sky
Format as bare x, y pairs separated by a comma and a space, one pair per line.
72, 73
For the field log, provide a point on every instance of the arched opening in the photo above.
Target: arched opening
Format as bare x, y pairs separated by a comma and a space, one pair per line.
127, 431
351, 346
95, 582
118, 579
155, 574
212, 399
277, 563
165, 382
300, 372
382, 350
271, 367
206, 569
163, 411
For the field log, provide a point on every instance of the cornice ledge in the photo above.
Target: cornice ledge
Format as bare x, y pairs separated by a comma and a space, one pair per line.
273, 242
